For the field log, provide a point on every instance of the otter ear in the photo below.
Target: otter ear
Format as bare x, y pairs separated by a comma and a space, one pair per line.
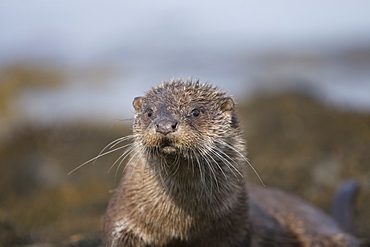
138, 103
226, 104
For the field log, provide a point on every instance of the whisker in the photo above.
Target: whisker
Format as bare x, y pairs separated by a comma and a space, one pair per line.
199, 166
202, 172
123, 155
120, 120
209, 163
128, 163
241, 155
95, 158
161, 168
227, 160
177, 164
191, 158
123, 139
115, 142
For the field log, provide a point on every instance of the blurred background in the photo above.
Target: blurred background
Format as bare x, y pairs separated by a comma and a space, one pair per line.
299, 70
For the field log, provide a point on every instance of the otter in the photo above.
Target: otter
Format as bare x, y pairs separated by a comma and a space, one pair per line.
184, 183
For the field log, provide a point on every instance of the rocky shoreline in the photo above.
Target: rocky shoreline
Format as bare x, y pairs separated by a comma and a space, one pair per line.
294, 142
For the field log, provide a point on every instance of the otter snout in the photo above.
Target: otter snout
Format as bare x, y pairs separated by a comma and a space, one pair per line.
166, 125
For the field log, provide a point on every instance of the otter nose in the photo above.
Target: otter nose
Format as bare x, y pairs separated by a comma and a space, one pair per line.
165, 126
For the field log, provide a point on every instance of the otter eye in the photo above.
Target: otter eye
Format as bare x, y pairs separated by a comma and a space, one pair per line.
149, 112
195, 113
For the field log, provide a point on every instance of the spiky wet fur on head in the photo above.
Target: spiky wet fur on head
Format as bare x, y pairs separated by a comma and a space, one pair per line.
213, 133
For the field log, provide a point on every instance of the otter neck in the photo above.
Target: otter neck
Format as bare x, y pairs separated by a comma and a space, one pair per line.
201, 183
180, 197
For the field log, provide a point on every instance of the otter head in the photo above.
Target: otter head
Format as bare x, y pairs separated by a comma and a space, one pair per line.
183, 117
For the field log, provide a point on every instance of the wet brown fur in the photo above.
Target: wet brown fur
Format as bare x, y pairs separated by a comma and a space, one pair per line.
184, 184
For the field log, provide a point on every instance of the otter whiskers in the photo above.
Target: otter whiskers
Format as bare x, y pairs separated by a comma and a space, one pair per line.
102, 153
243, 157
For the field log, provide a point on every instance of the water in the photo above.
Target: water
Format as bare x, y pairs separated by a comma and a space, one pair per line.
242, 46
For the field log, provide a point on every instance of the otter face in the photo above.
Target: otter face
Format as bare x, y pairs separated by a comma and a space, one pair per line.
178, 116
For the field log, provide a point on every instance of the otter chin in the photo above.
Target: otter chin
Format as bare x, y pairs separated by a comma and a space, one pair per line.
169, 150
185, 181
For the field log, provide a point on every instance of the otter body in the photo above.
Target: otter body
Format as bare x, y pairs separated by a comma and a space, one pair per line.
184, 181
